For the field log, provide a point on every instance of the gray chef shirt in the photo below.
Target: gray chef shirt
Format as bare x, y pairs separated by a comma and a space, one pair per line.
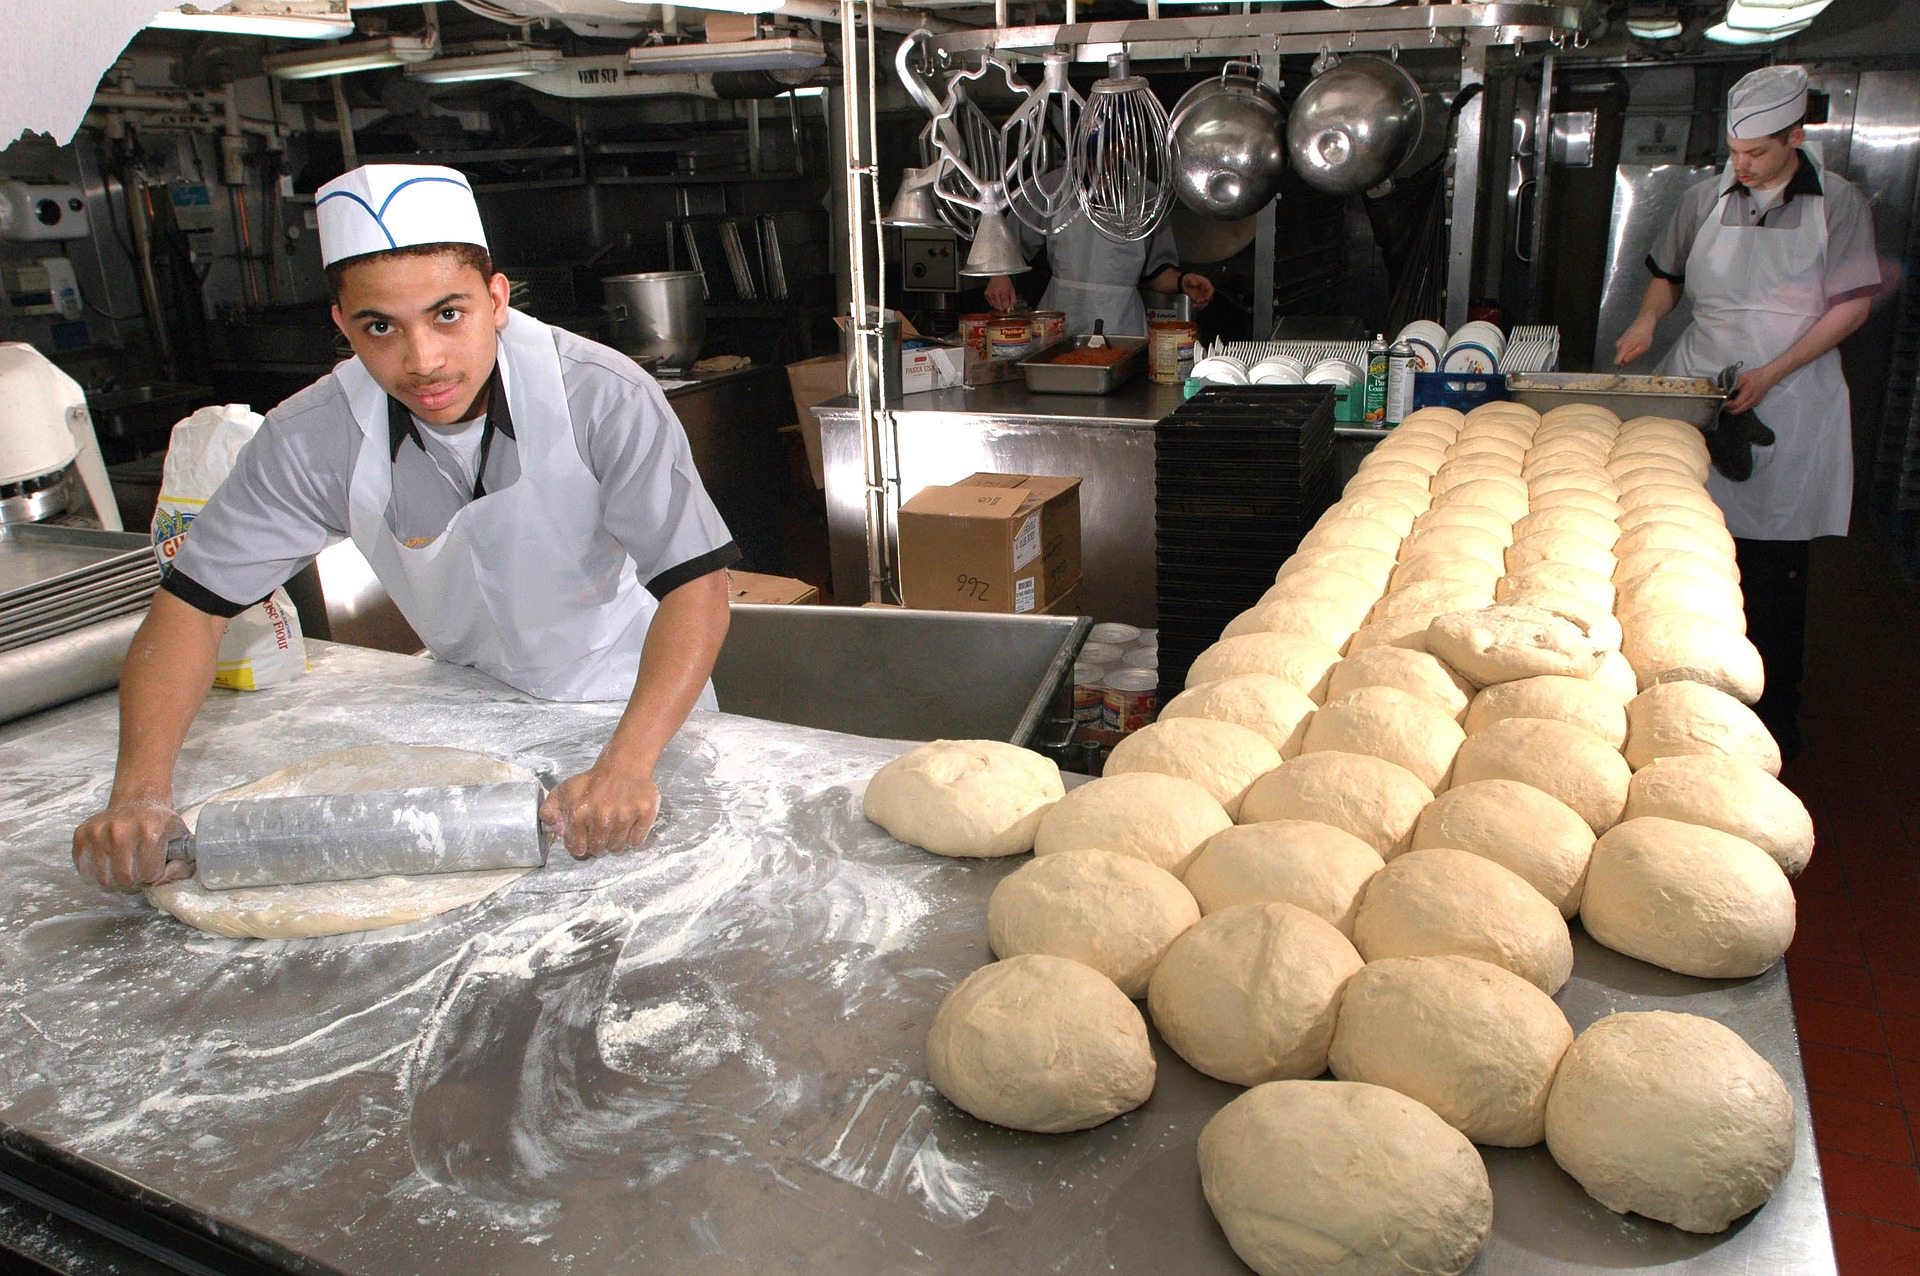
286, 498
1852, 267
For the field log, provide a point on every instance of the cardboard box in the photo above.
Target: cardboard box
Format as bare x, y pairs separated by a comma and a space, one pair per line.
727, 28
753, 587
929, 365
815, 381
992, 542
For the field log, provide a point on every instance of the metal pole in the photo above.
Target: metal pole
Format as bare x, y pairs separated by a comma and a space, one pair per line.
349, 153
867, 320
1263, 247
1542, 168
1464, 209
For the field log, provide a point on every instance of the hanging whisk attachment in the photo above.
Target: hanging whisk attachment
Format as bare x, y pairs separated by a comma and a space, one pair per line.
1120, 162
1035, 141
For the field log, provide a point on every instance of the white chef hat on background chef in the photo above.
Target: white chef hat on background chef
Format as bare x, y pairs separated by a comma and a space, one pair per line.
380, 206
1766, 101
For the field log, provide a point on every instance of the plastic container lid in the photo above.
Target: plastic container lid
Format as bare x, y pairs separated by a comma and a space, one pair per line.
1143, 658
1100, 653
1134, 680
1085, 675
1113, 631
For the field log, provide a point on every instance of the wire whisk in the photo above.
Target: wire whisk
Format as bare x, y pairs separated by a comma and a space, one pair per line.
1035, 141
1120, 162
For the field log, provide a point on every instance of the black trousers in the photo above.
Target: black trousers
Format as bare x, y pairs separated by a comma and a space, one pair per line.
1773, 577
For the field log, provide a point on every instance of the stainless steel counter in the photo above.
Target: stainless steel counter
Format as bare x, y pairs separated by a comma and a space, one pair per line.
1107, 440
704, 1057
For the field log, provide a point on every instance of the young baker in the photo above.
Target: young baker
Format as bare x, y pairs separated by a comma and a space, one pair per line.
525, 495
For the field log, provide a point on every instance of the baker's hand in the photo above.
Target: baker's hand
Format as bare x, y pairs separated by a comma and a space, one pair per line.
1634, 342
1754, 385
1198, 288
1000, 294
600, 810
125, 846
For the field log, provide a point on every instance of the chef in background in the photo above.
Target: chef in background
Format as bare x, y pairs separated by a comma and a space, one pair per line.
525, 495
1777, 258
1096, 278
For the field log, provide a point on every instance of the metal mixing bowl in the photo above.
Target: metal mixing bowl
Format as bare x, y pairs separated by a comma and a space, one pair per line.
1228, 144
1355, 124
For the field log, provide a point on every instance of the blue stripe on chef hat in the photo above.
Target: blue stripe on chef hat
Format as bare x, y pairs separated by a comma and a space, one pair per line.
380, 215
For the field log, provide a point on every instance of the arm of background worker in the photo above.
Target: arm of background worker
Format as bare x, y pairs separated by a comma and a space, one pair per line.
169, 668
612, 804
1000, 294
1662, 296
1828, 331
1171, 279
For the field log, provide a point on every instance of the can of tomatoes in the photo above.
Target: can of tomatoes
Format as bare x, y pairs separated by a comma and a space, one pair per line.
1170, 350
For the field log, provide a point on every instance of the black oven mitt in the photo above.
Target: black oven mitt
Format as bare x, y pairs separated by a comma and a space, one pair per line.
1730, 444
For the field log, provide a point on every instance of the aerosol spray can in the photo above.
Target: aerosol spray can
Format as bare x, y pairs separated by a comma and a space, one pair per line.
1401, 368
1376, 392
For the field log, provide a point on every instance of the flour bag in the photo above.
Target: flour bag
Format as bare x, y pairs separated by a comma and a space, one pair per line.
262, 645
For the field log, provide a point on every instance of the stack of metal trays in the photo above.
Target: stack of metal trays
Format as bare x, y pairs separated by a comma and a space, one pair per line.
56, 580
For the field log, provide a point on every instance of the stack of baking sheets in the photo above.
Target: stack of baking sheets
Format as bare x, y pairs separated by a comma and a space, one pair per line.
55, 580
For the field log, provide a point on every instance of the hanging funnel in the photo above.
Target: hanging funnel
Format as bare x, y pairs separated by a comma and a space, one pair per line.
913, 203
995, 250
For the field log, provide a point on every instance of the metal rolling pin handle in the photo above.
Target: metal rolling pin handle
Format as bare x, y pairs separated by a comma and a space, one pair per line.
339, 836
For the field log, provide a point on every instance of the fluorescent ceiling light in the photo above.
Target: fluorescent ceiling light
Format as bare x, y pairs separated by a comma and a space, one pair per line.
344, 59
508, 64
784, 53
1724, 34
1746, 16
1656, 28
292, 26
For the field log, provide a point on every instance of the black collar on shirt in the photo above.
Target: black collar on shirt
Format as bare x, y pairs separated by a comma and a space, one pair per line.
1805, 181
401, 427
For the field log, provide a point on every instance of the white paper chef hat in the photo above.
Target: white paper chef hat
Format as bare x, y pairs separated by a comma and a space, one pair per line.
380, 206
1766, 101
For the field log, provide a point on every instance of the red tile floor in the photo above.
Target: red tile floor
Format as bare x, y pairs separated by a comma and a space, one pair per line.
1855, 961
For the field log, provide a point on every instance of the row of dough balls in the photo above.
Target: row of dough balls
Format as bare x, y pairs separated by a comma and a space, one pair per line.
1046, 1039
1606, 524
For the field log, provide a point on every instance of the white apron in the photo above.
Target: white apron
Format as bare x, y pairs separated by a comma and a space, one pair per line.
1755, 292
1084, 263
524, 584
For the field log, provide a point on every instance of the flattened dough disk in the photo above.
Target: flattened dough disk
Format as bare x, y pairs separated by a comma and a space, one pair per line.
338, 908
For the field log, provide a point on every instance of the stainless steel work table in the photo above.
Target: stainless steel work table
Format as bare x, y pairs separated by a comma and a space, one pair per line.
703, 1057
1107, 440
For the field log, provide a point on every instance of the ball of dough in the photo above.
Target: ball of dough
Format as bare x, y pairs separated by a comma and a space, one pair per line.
1040, 1043
1408, 632
1220, 757
1681, 646
1346, 1179
1676, 536
1414, 672
1617, 676
1103, 910
1729, 794
1579, 701
1584, 479
1476, 1043
1494, 495
1672, 718
1369, 565
1503, 643
1392, 724
1637, 566
1458, 473
1371, 487
1328, 622
1596, 619
971, 798
1431, 598
1260, 702
1569, 521
1477, 517
1310, 865
1675, 591
1479, 572
1353, 532
1575, 766
1374, 465
1708, 520
1445, 901
1320, 582
1570, 548
1395, 514
1249, 994
1689, 494
1671, 1116
1537, 837
1687, 897
1558, 578
1161, 819
1371, 798
1304, 662
1469, 542
1580, 498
